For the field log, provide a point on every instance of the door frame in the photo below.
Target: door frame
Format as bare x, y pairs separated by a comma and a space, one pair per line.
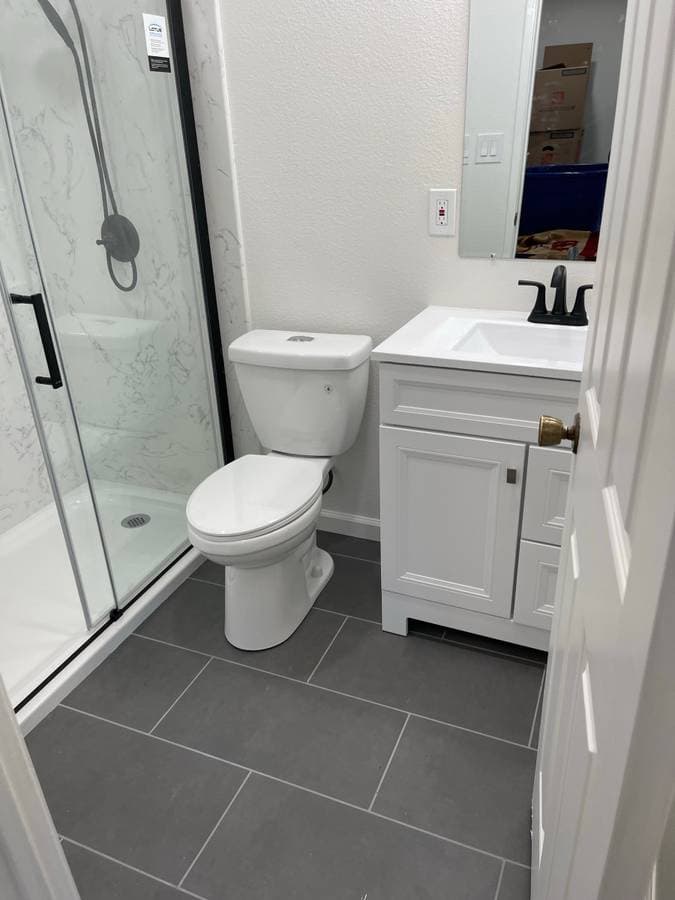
30, 850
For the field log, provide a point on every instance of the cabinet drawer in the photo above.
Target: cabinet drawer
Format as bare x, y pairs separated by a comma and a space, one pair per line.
449, 517
485, 404
536, 584
548, 475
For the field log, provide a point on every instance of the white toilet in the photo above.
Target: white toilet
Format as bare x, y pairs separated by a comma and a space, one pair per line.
305, 394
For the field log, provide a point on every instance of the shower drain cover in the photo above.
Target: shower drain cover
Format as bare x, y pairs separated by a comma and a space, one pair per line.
135, 520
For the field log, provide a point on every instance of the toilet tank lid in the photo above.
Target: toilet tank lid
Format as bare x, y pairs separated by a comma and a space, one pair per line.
301, 349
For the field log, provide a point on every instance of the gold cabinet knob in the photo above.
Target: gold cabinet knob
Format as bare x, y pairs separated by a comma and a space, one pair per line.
552, 431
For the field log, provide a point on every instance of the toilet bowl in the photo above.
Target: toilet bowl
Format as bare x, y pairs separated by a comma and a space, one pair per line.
257, 516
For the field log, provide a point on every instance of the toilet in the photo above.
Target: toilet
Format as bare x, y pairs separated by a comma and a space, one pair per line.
257, 516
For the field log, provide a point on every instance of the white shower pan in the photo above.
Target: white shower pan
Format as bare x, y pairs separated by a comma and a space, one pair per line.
43, 622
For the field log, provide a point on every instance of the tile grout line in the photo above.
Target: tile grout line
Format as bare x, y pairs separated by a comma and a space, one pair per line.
389, 761
375, 562
182, 693
321, 687
214, 829
293, 784
444, 639
206, 581
500, 879
147, 637
323, 655
334, 612
536, 708
126, 865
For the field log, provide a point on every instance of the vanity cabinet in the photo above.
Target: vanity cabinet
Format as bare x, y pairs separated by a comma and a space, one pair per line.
450, 516
472, 511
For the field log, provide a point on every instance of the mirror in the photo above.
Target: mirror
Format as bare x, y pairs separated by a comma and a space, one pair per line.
541, 99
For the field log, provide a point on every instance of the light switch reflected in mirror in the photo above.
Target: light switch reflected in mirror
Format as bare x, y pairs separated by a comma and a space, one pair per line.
541, 99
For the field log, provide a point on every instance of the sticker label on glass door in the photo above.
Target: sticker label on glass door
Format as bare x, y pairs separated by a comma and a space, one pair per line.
156, 42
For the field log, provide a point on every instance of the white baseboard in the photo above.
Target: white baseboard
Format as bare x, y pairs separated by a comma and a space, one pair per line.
346, 523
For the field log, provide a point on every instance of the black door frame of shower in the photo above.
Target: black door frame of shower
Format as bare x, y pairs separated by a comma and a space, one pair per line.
187, 117
184, 94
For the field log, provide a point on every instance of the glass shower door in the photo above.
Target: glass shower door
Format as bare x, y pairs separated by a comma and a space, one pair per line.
55, 585
92, 106
48, 440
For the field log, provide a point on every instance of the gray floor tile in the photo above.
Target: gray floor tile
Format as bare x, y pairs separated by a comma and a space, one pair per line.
492, 646
133, 797
317, 739
465, 786
515, 883
476, 690
348, 546
354, 589
210, 571
194, 617
98, 878
137, 683
278, 842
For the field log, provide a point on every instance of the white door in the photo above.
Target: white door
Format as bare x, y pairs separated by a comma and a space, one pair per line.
450, 510
32, 862
606, 767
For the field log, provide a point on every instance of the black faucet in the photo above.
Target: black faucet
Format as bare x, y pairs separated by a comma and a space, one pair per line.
559, 282
559, 314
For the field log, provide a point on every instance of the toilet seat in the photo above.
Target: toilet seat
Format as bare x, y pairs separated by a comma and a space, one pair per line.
254, 496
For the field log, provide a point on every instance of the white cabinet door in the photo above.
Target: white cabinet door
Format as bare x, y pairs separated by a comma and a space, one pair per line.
548, 477
535, 587
449, 517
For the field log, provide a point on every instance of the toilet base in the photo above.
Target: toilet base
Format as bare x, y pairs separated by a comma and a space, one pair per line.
264, 605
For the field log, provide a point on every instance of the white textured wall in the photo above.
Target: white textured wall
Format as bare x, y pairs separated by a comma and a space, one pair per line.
343, 115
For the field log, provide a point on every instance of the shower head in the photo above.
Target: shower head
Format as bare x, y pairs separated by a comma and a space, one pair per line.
119, 236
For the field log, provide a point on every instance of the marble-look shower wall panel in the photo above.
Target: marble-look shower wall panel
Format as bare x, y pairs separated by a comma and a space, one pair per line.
135, 361
208, 80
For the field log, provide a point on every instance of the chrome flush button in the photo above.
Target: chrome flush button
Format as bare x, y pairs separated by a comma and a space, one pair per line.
300, 337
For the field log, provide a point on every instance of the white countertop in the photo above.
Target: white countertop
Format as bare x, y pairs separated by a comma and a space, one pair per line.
487, 341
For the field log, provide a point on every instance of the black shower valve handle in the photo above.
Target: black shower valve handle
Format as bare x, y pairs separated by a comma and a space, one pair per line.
539, 308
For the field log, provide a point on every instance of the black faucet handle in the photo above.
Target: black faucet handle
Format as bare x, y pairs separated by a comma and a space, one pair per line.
559, 282
539, 311
578, 315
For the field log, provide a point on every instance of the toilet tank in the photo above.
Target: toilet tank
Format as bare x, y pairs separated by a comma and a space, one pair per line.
305, 392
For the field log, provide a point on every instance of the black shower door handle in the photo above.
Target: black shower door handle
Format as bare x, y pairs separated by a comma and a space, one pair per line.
38, 304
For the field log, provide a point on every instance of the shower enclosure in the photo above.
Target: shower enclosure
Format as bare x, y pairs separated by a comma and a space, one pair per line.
111, 387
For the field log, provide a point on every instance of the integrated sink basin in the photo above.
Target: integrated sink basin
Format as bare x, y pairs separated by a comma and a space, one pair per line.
489, 341
550, 343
